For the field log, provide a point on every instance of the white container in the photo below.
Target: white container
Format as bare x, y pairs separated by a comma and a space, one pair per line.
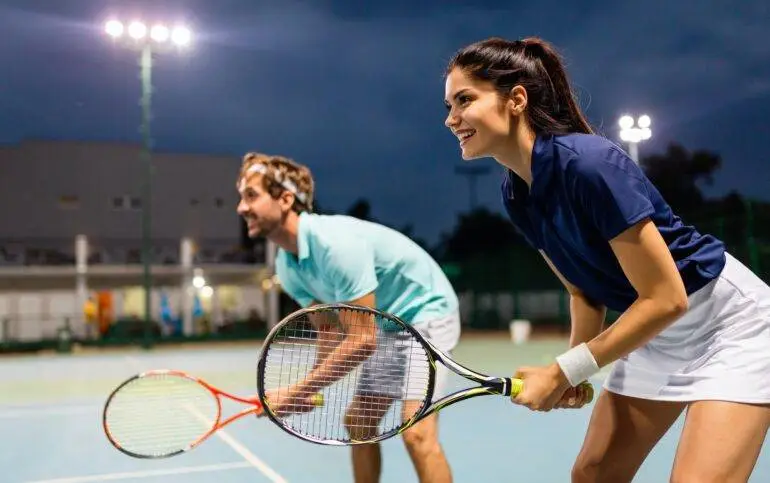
520, 330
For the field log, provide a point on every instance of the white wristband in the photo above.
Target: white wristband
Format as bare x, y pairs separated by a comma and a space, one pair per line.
578, 364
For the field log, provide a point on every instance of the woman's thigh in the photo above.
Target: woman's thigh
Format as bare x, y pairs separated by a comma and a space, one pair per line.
720, 442
622, 432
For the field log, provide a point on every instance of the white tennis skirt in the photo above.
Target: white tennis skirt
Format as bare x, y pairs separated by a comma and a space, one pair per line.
718, 350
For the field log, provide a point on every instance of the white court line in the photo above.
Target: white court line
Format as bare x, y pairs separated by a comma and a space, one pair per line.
144, 474
233, 443
257, 463
49, 411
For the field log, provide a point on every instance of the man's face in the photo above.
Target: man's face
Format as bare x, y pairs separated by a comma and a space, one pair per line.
263, 213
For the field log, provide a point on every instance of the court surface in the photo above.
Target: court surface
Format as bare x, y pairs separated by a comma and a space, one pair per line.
50, 425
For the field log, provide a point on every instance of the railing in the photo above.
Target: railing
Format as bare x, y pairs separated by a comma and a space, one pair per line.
61, 252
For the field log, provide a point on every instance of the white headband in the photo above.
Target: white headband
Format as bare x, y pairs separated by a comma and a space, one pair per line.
286, 184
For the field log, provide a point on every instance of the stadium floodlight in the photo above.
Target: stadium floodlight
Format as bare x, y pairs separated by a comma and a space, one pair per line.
137, 35
114, 28
635, 131
181, 36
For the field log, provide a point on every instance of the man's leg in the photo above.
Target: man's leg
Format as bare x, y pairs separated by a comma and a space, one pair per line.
362, 420
421, 441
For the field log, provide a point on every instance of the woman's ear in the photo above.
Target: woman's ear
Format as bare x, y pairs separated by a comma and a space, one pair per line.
517, 102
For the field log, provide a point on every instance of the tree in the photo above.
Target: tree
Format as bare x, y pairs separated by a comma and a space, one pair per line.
677, 174
361, 209
478, 232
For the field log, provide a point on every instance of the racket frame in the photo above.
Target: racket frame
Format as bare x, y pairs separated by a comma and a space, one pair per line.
255, 405
489, 385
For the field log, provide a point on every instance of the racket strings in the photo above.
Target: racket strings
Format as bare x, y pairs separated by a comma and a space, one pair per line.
370, 395
160, 414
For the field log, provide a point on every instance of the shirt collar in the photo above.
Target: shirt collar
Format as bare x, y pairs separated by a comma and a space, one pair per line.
303, 233
542, 169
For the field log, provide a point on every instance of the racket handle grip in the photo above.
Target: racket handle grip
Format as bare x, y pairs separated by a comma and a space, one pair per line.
517, 385
589, 390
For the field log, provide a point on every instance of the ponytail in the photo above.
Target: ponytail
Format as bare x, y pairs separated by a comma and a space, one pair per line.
564, 98
535, 65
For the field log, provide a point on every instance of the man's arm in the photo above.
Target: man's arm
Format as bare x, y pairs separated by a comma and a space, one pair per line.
328, 333
586, 317
344, 344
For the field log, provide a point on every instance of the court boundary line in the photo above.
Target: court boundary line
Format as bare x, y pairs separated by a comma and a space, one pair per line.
239, 448
147, 473
52, 411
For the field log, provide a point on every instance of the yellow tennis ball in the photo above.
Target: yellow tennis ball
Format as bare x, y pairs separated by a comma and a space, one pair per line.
317, 399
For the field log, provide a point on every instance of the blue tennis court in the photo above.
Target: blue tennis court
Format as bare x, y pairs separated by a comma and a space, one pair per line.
50, 425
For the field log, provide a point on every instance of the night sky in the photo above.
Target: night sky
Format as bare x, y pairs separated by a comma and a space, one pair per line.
356, 92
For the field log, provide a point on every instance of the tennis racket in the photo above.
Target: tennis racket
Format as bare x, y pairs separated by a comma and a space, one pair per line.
163, 413
372, 391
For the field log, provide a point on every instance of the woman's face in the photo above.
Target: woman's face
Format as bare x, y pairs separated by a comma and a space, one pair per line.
478, 116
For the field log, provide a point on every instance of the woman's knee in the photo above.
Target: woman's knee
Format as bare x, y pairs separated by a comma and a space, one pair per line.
597, 468
621, 433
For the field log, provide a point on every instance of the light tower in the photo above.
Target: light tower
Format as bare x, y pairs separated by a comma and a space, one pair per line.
137, 36
634, 132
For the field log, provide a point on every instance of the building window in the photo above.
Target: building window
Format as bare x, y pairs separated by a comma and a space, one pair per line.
69, 202
126, 203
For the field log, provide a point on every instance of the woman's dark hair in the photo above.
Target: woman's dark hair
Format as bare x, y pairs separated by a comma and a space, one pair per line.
536, 66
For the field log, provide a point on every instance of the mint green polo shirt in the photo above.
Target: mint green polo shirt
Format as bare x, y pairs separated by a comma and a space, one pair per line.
342, 258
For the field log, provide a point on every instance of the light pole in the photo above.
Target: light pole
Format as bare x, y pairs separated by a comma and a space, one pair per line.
634, 134
137, 36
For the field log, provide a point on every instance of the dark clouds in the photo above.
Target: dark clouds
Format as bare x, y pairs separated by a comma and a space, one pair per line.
357, 94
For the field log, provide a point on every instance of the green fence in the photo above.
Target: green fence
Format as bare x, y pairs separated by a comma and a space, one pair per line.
520, 272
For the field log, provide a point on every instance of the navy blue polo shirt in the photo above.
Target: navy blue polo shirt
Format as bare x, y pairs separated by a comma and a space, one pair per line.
585, 191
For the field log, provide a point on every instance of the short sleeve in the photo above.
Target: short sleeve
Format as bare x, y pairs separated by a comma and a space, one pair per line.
348, 267
612, 192
291, 286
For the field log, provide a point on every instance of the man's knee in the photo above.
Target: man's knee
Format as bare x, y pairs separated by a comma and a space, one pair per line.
360, 426
422, 438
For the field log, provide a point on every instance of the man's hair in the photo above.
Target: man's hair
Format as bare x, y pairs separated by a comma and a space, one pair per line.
281, 174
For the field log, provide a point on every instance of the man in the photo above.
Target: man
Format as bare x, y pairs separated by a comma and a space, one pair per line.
340, 259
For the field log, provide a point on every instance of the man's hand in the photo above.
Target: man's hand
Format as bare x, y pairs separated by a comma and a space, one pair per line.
286, 400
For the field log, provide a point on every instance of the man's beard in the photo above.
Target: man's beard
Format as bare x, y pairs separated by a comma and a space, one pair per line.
262, 231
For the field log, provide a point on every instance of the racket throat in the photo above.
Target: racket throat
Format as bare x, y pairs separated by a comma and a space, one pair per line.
507, 386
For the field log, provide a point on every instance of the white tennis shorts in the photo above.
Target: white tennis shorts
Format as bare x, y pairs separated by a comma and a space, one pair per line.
398, 354
720, 348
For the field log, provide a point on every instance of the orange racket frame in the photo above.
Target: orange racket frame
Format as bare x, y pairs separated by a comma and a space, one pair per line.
254, 403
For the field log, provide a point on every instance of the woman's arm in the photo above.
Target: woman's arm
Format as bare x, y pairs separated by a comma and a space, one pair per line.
662, 298
586, 317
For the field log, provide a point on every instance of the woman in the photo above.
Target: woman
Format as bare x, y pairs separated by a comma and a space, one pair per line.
694, 330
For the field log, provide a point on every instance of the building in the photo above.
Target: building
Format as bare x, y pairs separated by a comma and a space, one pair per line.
56, 195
